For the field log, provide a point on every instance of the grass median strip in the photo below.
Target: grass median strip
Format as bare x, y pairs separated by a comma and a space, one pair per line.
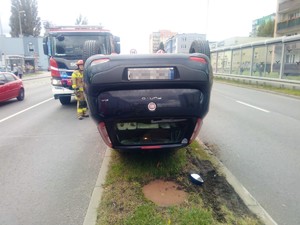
266, 87
123, 200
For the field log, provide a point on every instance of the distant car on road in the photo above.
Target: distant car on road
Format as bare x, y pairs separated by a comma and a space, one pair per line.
11, 87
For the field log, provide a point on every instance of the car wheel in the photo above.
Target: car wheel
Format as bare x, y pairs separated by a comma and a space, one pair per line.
21, 95
91, 47
65, 100
200, 46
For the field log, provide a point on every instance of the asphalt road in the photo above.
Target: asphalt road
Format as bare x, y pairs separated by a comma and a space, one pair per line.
49, 160
256, 136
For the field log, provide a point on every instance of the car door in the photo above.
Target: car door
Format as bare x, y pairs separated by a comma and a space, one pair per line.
13, 86
3, 88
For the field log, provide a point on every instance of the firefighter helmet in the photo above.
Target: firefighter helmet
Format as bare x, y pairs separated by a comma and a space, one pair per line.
79, 62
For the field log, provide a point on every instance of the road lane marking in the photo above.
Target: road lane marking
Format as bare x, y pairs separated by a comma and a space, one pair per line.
252, 106
31, 107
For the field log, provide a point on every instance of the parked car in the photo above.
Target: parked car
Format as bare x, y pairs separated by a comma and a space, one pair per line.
5, 69
11, 87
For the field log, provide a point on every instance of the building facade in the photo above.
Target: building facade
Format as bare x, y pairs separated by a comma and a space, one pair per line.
25, 51
236, 41
287, 18
258, 22
157, 37
181, 43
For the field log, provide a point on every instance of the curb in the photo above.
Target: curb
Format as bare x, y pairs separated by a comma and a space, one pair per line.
248, 199
91, 214
35, 77
244, 194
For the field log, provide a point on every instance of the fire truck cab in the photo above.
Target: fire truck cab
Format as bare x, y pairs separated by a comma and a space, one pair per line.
65, 46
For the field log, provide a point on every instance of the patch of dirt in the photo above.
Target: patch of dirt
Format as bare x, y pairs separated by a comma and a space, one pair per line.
164, 193
216, 192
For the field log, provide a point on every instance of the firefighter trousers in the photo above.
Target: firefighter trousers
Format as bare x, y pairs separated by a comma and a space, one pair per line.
81, 104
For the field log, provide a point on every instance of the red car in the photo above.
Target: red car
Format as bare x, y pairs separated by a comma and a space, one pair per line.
11, 87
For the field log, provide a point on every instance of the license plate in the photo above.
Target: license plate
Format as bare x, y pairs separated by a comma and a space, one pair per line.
166, 73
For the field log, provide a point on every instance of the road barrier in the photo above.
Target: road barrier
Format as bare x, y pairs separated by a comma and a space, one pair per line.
279, 83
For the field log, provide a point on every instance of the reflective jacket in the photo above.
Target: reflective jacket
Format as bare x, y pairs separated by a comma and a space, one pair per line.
77, 80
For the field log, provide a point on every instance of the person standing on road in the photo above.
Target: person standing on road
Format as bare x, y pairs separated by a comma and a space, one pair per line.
15, 69
77, 85
20, 71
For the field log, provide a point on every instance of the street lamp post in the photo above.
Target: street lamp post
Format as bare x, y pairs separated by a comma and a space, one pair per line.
20, 24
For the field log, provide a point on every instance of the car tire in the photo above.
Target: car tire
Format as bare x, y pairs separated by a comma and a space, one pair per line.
91, 47
21, 95
200, 46
65, 100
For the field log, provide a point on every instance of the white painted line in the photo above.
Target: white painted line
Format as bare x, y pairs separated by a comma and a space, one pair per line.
11, 116
252, 106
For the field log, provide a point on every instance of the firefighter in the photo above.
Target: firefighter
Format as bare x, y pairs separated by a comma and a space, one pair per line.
77, 85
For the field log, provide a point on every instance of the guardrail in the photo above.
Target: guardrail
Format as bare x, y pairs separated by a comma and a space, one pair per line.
280, 83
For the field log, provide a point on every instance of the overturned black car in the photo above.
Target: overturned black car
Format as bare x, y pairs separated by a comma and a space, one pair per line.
153, 101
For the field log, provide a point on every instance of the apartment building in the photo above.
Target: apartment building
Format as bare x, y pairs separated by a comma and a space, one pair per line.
258, 22
157, 37
180, 43
287, 18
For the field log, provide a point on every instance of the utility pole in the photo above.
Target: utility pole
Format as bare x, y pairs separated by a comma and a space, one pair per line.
1, 29
20, 24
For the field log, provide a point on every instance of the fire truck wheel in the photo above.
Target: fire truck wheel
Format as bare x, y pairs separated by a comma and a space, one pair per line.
200, 46
91, 47
65, 100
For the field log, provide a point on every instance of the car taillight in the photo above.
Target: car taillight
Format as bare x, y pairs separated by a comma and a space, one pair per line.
198, 59
99, 61
151, 147
54, 68
196, 130
103, 132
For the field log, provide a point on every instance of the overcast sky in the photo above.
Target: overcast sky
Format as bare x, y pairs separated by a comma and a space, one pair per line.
135, 20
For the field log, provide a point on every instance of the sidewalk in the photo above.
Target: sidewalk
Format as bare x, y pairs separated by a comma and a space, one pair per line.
38, 75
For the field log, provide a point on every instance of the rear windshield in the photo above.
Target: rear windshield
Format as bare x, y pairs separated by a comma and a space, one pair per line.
150, 132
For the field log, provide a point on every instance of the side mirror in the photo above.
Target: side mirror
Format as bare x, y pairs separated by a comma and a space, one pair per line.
117, 44
60, 37
2, 82
116, 39
45, 45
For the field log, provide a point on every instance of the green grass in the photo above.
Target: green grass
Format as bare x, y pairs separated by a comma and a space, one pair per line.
262, 87
123, 202
134, 167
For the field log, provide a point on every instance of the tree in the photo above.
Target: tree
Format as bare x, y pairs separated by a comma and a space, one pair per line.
47, 24
266, 29
26, 13
80, 20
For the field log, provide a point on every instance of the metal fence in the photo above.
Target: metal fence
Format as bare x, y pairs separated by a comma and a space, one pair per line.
276, 58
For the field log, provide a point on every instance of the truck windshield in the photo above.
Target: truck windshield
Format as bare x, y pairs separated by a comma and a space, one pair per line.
71, 46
